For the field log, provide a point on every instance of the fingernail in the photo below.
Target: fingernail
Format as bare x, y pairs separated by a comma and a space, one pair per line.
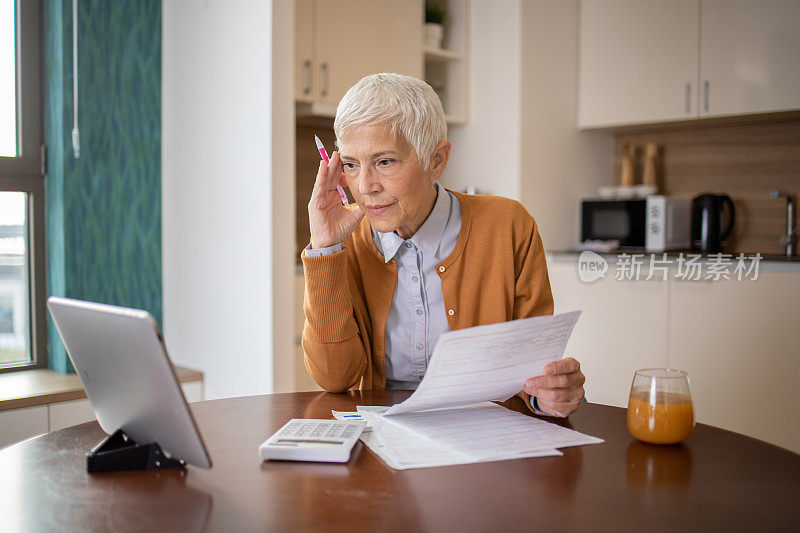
549, 369
532, 383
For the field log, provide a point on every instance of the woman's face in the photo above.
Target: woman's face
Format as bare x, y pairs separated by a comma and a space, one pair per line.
386, 179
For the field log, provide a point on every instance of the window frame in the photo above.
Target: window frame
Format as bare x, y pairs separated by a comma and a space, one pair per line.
25, 173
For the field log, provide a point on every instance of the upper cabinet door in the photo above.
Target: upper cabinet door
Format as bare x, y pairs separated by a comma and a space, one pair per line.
304, 88
750, 56
359, 37
638, 61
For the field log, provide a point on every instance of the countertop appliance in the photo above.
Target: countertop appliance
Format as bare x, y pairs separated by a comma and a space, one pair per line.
708, 227
655, 224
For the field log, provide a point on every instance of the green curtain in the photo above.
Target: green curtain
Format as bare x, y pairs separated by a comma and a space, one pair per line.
104, 208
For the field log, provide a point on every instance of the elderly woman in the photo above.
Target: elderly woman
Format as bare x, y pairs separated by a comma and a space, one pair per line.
412, 260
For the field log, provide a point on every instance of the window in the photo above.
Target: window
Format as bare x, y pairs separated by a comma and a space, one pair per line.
22, 290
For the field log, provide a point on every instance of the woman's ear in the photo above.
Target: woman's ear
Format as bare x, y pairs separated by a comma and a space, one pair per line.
439, 159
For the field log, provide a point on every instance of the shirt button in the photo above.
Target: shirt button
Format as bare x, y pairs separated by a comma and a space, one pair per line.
451, 312
419, 311
421, 376
409, 245
414, 279
419, 346
441, 269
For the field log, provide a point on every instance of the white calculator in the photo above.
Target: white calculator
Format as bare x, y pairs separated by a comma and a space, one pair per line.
301, 439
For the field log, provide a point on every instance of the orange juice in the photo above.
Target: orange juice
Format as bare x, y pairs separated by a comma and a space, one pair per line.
669, 420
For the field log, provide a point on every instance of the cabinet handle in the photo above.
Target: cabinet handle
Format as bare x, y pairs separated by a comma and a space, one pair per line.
325, 78
307, 66
688, 97
706, 85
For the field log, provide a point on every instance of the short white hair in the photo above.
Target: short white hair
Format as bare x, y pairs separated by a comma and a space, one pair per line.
407, 105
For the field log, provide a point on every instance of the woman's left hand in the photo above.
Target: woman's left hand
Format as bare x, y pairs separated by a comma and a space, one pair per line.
560, 391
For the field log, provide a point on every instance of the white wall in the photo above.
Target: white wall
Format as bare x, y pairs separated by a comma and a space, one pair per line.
217, 192
522, 139
486, 152
560, 163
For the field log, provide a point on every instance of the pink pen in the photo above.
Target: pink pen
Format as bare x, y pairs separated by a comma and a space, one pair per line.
324, 155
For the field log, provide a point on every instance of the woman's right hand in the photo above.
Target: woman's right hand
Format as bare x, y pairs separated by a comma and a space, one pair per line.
330, 221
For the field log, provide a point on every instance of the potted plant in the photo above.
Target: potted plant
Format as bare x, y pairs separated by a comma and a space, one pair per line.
435, 15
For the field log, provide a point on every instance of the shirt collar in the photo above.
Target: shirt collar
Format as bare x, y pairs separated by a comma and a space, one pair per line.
428, 237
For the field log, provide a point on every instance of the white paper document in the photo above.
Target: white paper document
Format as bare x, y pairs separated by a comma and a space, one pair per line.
402, 448
489, 362
487, 431
461, 435
448, 420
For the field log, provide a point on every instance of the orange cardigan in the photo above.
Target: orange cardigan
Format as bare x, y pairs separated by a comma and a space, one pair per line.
497, 272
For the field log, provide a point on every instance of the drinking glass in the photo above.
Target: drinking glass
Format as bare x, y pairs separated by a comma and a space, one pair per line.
660, 409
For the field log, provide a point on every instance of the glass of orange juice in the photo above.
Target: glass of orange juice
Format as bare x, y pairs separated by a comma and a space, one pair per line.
660, 409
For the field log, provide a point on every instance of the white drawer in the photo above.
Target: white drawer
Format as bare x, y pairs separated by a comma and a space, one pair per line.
18, 424
193, 391
66, 414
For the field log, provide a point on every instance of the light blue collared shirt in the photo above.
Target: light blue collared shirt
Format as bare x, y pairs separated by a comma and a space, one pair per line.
417, 316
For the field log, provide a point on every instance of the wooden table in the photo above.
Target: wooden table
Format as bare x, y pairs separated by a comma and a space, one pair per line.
717, 480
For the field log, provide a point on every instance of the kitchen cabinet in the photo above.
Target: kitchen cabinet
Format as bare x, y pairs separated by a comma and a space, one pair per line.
305, 83
750, 56
738, 340
649, 61
337, 42
638, 61
623, 327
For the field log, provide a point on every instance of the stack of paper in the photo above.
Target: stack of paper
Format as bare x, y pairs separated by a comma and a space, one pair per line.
448, 419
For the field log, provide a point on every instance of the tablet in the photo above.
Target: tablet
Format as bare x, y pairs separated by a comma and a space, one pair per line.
120, 357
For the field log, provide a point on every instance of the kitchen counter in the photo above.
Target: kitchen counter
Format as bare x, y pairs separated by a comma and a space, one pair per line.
29, 388
676, 253
770, 262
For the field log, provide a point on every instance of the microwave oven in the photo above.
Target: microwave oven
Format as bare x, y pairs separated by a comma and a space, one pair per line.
654, 224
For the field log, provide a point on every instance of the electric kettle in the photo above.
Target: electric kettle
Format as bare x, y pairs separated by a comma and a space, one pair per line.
708, 227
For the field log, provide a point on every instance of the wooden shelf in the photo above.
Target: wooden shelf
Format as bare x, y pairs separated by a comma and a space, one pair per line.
29, 388
447, 69
314, 110
454, 120
439, 55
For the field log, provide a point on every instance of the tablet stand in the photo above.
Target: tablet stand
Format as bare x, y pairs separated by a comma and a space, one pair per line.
120, 452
